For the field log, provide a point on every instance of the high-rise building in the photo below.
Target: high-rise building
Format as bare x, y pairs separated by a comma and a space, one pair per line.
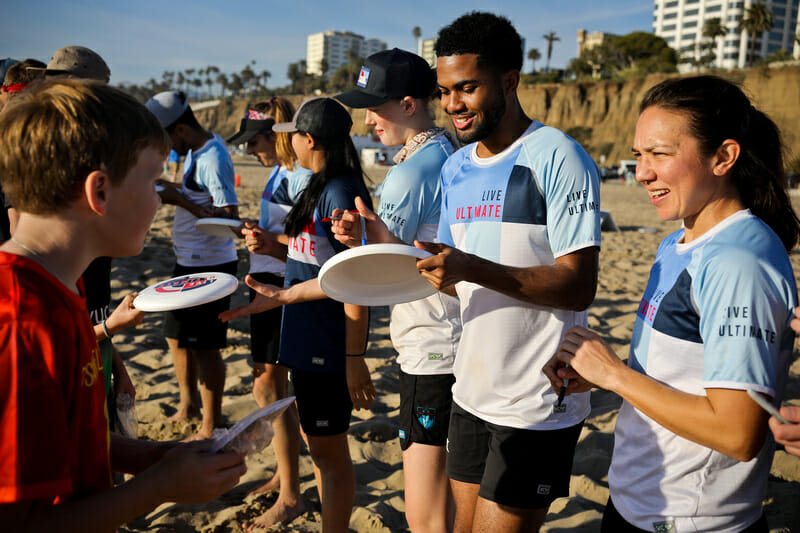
681, 22
329, 49
425, 51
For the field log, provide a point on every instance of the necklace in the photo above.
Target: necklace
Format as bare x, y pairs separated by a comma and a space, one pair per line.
34, 253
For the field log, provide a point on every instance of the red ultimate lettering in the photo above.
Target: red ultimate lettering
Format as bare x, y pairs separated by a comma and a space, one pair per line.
647, 311
478, 211
298, 244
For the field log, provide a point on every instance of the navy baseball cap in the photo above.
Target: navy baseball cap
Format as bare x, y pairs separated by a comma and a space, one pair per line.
390, 75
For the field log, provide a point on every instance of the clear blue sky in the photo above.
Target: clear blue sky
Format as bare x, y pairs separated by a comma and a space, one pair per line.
140, 39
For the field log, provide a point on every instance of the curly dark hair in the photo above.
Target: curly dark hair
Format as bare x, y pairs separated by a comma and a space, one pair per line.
492, 37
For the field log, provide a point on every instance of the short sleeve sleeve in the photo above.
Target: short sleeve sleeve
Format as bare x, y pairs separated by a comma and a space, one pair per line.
744, 313
571, 185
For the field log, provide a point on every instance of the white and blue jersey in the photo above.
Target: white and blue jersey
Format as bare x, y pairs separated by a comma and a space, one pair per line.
424, 332
208, 179
715, 315
537, 200
313, 333
283, 186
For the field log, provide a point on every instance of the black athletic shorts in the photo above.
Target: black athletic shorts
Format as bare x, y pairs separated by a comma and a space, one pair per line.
425, 403
323, 402
198, 327
265, 328
521, 468
613, 522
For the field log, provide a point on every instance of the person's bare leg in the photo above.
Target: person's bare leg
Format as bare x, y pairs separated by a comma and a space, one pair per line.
491, 517
186, 372
211, 374
271, 383
429, 502
267, 389
465, 496
331, 454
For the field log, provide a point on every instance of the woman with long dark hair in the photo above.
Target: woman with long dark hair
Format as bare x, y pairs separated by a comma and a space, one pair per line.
691, 451
268, 265
322, 341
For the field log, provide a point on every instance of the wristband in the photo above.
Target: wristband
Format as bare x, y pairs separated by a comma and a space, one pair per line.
105, 330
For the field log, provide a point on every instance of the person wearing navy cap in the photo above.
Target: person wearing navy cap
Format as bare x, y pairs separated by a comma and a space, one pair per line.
395, 88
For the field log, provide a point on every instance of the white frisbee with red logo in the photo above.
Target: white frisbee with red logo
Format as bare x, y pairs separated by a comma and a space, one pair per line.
186, 291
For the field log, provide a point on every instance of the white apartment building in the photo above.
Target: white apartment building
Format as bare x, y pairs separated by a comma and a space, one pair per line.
680, 23
331, 47
426, 52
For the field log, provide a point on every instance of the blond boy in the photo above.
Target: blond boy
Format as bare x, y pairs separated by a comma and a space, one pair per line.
79, 161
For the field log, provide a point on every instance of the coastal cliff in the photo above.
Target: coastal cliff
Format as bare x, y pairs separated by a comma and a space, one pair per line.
601, 115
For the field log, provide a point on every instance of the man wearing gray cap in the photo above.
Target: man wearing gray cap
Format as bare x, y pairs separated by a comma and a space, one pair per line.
195, 335
77, 62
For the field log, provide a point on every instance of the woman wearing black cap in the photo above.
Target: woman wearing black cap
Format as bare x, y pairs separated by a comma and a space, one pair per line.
268, 265
322, 341
395, 88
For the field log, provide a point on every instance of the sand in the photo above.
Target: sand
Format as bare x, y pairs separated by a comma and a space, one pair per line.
624, 266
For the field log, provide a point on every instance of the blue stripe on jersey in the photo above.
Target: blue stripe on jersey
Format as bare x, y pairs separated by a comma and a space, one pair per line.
524, 202
677, 316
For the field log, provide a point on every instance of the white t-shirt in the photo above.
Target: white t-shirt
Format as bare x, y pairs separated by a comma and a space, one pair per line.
715, 314
424, 332
208, 179
282, 188
537, 200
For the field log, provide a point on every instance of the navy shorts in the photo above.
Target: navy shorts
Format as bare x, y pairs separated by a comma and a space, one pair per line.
265, 328
198, 327
521, 468
425, 403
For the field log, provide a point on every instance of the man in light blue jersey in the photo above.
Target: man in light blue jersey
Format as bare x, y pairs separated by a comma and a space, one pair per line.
519, 238
195, 335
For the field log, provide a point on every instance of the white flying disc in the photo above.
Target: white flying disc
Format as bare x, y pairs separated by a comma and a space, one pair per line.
217, 226
186, 291
271, 411
376, 274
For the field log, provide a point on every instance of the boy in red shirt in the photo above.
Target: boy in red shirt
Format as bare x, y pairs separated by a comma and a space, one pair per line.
79, 161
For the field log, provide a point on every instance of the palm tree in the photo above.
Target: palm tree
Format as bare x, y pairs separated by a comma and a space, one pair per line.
757, 19
417, 33
550, 37
248, 76
180, 80
712, 30
265, 75
534, 55
222, 80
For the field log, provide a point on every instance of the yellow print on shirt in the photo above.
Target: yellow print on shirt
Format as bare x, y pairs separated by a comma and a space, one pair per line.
92, 369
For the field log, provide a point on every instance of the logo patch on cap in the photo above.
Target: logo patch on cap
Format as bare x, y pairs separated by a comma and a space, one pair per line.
363, 77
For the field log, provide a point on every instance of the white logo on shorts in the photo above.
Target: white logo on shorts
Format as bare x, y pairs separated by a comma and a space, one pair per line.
543, 489
322, 423
318, 360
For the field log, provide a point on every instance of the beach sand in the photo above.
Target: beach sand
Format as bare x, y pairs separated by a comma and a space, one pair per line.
625, 261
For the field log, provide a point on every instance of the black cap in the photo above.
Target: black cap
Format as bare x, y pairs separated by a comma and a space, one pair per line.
252, 124
390, 75
323, 118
